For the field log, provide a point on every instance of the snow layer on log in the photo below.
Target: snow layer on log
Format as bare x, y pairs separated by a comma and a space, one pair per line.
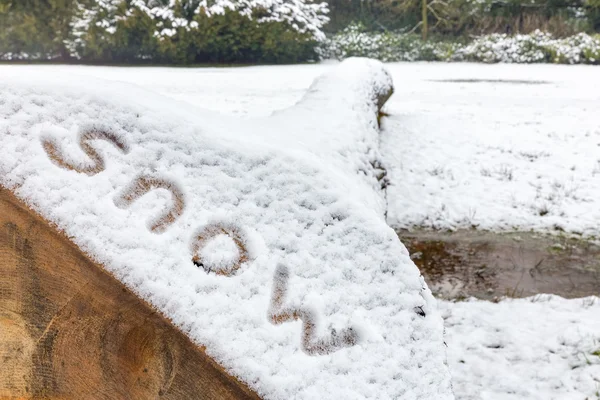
263, 240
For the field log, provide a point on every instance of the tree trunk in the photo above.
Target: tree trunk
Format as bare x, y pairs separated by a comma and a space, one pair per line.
424, 24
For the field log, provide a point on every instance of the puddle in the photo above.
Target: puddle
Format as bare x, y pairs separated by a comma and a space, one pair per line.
490, 265
507, 81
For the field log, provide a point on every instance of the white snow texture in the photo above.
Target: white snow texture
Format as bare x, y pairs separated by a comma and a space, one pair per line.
296, 190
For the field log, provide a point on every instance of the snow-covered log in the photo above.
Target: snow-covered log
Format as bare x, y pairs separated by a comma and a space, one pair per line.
264, 241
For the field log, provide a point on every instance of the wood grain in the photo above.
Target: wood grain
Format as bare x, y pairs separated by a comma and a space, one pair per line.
69, 330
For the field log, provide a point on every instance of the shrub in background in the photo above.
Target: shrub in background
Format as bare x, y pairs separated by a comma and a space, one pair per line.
161, 31
509, 49
231, 38
531, 48
34, 29
273, 31
355, 41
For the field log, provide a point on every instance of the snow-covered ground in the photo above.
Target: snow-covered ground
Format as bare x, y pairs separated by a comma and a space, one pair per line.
499, 147
518, 151
542, 347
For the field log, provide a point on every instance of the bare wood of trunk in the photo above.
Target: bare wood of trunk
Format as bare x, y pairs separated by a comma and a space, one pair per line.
70, 330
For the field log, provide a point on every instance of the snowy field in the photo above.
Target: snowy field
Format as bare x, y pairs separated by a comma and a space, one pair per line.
498, 147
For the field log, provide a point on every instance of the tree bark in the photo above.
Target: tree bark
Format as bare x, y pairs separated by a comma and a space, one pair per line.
68, 329
424, 22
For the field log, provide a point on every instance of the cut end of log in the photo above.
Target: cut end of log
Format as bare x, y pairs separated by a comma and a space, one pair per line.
70, 330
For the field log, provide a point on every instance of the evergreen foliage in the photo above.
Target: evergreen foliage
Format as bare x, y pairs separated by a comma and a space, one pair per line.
268, 31
161, 31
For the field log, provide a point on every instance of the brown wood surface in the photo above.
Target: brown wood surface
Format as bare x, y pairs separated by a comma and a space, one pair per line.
70, 330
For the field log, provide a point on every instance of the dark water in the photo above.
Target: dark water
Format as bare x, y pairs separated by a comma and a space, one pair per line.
489, 265
506, 81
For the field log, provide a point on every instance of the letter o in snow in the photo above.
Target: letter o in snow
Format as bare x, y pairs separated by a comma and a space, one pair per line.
228, 266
